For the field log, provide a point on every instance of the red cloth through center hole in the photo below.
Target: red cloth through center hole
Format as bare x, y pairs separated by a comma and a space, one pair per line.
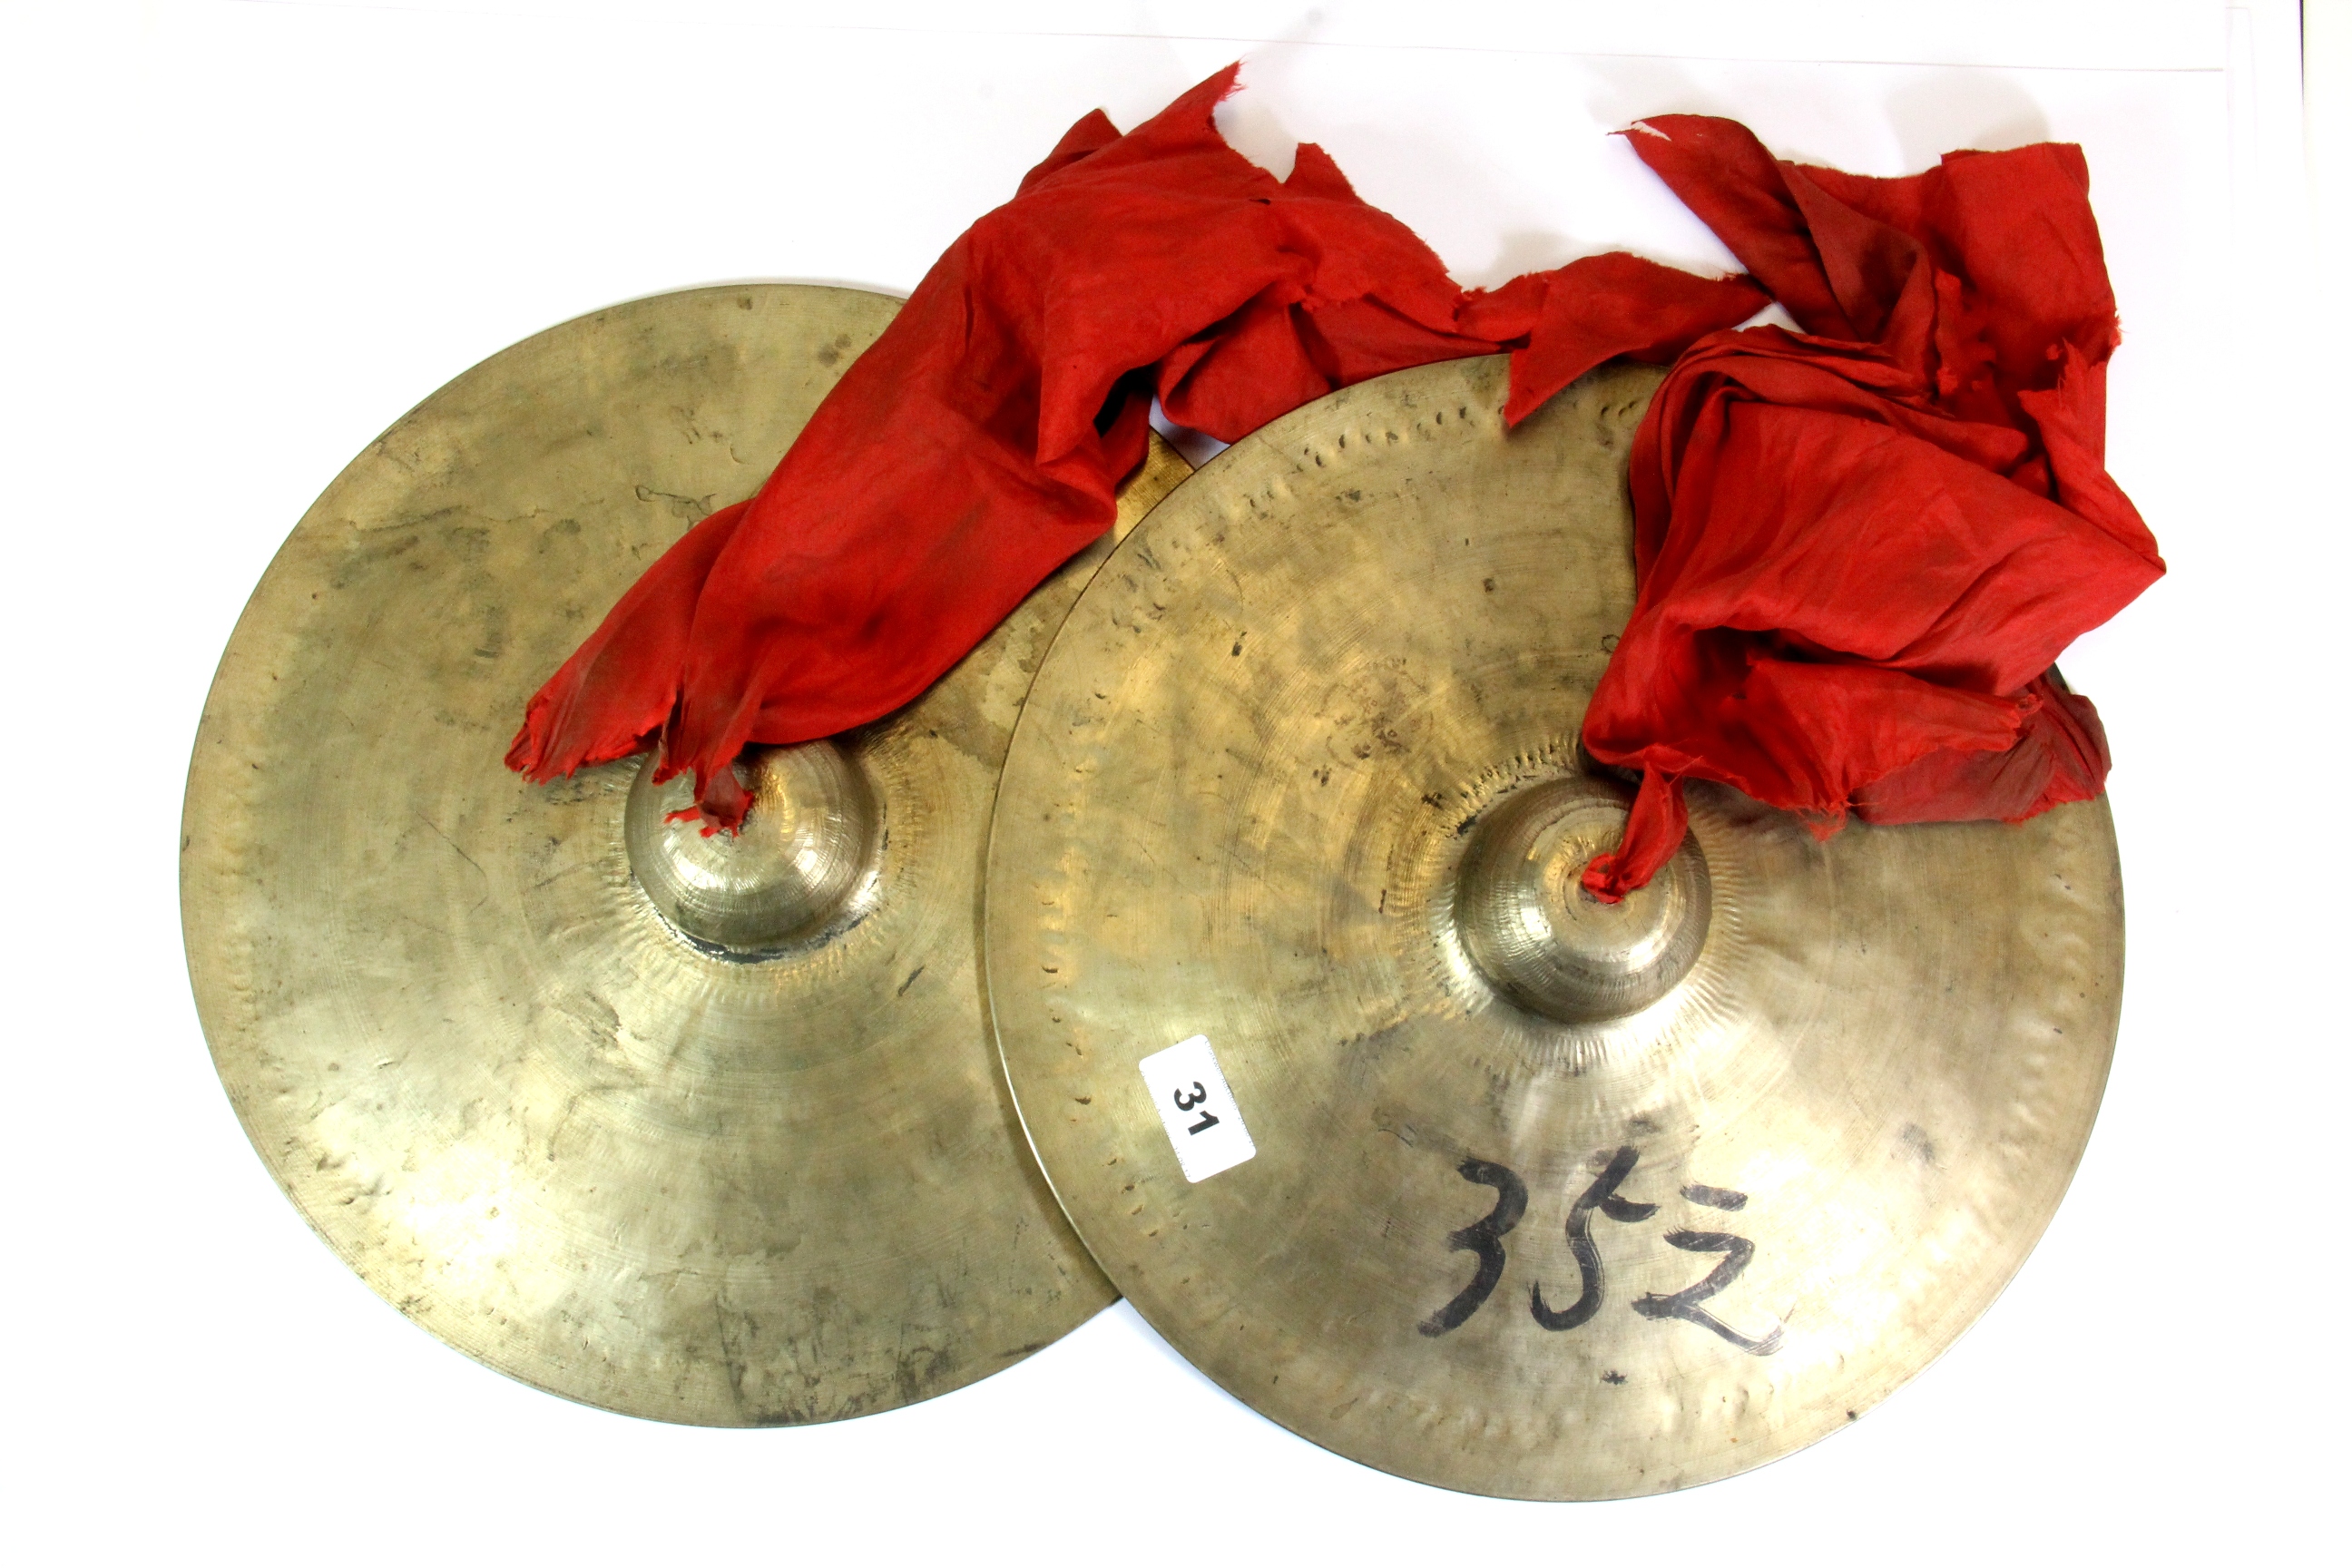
1859, 547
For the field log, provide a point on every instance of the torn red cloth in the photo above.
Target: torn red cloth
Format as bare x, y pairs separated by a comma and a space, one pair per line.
1859, 547
977, 444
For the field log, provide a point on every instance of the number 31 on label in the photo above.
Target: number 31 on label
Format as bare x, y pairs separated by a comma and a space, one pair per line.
1204, 1125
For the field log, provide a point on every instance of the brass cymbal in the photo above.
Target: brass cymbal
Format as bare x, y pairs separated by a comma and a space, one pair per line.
1500, 1188
745, 1159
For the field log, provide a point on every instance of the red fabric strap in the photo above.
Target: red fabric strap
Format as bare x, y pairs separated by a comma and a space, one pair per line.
978, 444
1859, 546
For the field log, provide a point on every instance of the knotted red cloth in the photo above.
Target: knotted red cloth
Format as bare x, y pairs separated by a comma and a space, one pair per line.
977, 444
1860, 546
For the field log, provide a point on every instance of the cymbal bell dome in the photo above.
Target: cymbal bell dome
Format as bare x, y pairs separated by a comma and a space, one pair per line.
1549, 945
804, 860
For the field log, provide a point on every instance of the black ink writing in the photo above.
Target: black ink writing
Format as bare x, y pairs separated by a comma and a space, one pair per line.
1483, 1238
1716, 1197
1684, 1304
1184, 1102
1602, 1195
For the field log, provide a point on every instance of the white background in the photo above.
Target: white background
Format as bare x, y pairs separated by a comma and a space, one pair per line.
240, 238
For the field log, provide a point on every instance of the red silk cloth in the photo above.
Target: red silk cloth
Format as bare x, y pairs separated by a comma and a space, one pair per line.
977, 444
1859, 547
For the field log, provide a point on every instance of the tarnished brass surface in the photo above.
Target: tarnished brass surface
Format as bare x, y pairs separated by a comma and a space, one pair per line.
603, 1153
1336, 665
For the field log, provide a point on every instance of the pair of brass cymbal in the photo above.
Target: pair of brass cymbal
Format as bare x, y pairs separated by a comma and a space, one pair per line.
1510, 1190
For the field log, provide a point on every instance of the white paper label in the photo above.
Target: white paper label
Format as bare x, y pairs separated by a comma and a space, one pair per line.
1203, 1122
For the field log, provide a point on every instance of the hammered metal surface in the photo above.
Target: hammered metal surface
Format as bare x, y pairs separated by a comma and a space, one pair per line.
529, 1112
1236, 805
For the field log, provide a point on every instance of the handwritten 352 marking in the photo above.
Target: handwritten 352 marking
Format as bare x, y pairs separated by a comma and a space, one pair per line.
1485, 1237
